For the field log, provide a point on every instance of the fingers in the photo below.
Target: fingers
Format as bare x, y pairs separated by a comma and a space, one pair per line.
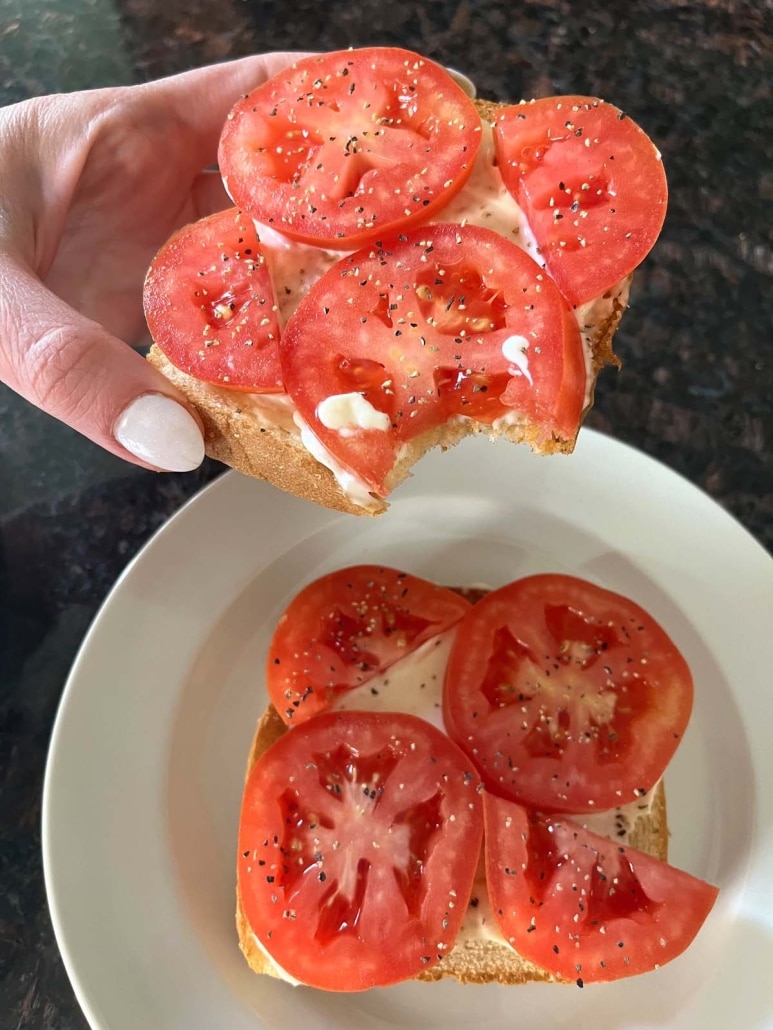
60, 360
203, 97
76, 371
208, 194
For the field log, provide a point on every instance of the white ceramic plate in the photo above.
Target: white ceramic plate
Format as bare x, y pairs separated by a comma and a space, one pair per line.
145, 771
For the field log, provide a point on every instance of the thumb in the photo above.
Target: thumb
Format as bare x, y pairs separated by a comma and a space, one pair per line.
76, 371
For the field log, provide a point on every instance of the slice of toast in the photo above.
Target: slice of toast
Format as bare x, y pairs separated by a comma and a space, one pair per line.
473, 961
239, 435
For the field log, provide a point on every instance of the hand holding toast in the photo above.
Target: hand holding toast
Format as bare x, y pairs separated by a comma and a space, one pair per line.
92, 184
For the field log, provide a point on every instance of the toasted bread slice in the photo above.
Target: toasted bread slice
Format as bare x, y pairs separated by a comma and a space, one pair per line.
474, 961
241, 436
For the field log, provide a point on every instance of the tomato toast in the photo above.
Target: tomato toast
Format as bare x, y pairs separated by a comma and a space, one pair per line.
354, 803
404, 267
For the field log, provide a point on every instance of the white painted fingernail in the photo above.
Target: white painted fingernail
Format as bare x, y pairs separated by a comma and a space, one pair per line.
160, 431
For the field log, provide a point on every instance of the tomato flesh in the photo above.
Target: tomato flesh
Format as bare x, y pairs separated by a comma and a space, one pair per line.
359, 840
583, 907
210, 304
445, 321
568, 697
347, 627
591, 183
344, 147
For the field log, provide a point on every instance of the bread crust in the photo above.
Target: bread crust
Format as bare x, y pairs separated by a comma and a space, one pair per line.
474, 961
270, 728
250, 443
241, 437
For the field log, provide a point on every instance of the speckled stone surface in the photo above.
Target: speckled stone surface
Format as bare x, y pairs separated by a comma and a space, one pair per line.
695, 391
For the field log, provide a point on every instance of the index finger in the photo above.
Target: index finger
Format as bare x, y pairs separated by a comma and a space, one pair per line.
203, 97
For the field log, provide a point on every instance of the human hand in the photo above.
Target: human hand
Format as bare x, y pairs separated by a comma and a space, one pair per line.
91, 185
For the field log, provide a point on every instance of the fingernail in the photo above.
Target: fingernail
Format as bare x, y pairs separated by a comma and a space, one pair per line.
160, 431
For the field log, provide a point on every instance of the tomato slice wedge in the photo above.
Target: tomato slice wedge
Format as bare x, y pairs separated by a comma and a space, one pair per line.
210, 304
567, 696
591, 183
446, 321
343, 147
347, 627
359, 840
581, 906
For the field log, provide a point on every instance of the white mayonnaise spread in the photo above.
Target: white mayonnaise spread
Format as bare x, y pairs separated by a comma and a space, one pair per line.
355, 489
413, 685
295, 267
347, 412
275, 409
279, 972
483, 201
617, 823
514, 350
479, 923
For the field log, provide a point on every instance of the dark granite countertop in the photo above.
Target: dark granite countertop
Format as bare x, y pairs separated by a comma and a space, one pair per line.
695, 390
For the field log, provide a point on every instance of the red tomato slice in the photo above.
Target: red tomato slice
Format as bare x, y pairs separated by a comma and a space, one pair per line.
210, 304
581, 906
358, 844
567, 696
343, 147
591, 183
347, 627
446, 321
